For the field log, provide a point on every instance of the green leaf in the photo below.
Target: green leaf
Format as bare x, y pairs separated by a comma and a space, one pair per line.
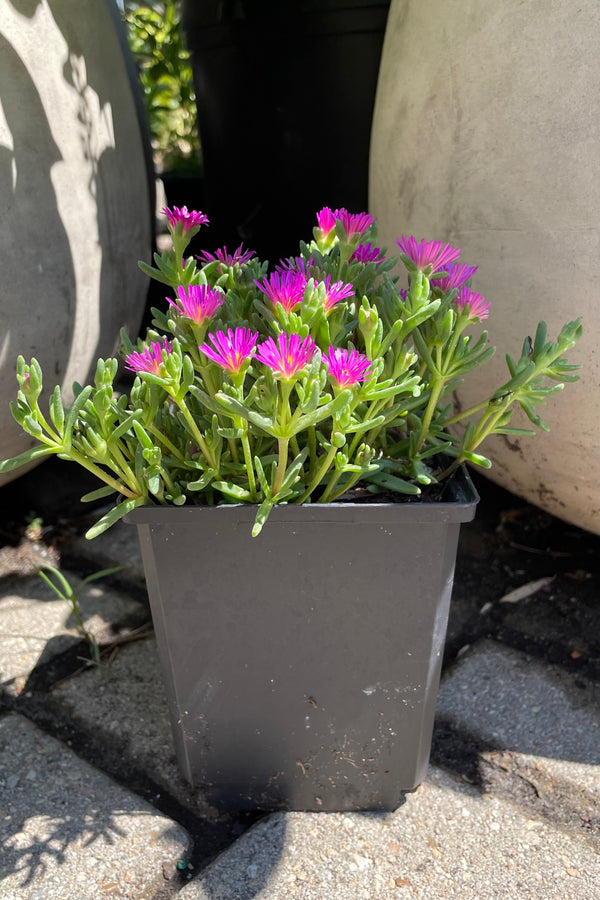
261, 516
202, 482
103, 573
232, 490
8, 465
67, 592
477, 459
98, 494
73, 414
113, 515
57, 412
393, 483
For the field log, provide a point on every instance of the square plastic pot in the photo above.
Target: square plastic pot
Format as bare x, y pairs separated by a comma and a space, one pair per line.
302, 666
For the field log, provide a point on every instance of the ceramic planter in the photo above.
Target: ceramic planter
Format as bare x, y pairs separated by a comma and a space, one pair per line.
302, 666
77, 192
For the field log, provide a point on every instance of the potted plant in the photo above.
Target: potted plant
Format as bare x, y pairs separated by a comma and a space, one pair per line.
275, 421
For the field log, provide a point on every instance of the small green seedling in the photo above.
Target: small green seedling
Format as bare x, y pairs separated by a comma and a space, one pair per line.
55, 579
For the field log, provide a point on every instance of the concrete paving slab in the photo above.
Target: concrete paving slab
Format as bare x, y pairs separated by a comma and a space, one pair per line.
516, 703
124, 705
68, 831
447, 841
36, 625
533, 729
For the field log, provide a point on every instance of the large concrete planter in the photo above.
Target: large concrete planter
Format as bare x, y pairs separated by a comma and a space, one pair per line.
486, 134
75, 193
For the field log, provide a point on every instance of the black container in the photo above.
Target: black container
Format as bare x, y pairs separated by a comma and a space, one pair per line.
302, 666
285, 95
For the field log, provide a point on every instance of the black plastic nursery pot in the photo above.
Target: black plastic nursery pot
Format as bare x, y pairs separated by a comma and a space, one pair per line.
302, 666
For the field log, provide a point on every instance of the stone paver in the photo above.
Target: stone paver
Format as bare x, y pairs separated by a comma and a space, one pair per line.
68, 831
36, 625
125, 704
447, 842
512, 701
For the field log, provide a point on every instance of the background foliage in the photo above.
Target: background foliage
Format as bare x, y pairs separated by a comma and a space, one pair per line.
157, 42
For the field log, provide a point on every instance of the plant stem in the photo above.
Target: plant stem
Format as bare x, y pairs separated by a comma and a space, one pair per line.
436, 390
120, 488
195, 432
322, 471
282, 444
249, 466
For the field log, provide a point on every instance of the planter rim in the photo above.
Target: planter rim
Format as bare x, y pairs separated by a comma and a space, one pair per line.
458, 506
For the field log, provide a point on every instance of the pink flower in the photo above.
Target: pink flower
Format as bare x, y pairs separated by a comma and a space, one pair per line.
354, 223
198, 302
478, 305
457, 275
295, 264
346, 367
335, 292
428, 254
288, 356
326, 221
150, 359
238, 257
286, 288
365, 253
231, 350
188, 218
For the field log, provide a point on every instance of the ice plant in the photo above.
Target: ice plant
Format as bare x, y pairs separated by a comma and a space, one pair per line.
286, 288
478, 306
326, 221
354, 223
151, 359
231, 351
222, 255
184, 218
346, 368
458, 275
428, 256
365, 253
197, 302
295, 385
335, 292
287, 356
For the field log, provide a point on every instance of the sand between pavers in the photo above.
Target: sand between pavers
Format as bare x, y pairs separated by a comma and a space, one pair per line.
68, 832
447, 842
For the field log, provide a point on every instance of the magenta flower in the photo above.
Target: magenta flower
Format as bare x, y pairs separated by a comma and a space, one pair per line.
198, 302
478, 305
354, 223
335, 292
428, 254
231, 350
295, 264
150, 359
286, 288
365, 253
346, 367
326, 221
238, 257
188, 218
288, 356
457, 275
